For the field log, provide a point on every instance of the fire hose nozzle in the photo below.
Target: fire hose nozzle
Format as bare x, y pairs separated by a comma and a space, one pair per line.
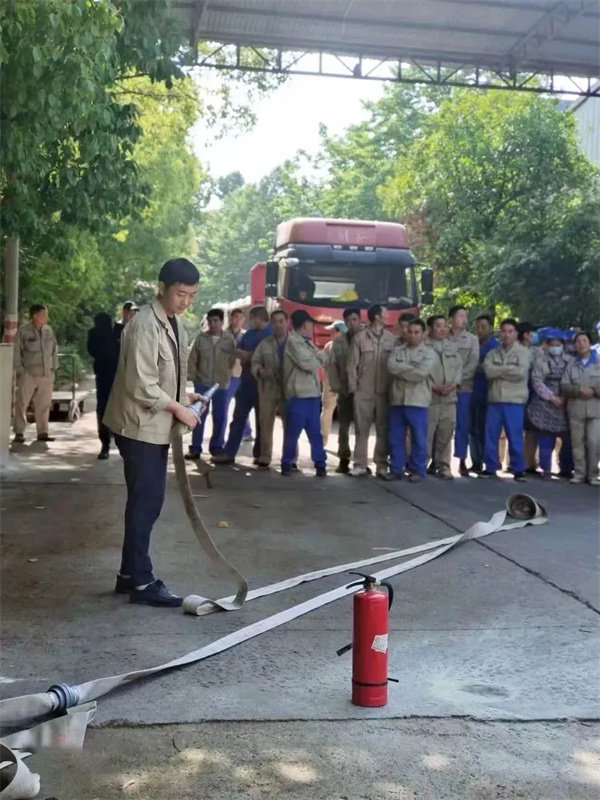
199, 407
66, 696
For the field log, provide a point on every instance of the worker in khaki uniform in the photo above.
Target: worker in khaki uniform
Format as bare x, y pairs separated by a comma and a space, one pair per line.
266, 365
301, 364
446, 376
581, 386
410, 366
507, 371
468, 347
337, 374
36, 361
329, 400
211, 361
368, 381
145, 402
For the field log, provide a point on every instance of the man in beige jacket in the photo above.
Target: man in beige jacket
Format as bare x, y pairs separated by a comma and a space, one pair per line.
266, 365
211, 361
337, 373
302, 389
468, 348
446, 376
507, 371
368, 381
36, 361
410, 366
146, 400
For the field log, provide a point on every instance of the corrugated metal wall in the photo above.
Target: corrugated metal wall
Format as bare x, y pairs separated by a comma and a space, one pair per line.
588, 120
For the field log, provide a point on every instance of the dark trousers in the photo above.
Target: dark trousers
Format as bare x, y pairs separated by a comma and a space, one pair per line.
477, 430
303, 414
547, 443
461, 434
509, 416
219, 419
145, 468
230, 393
103, 386
402, 419
345, 404
246, 399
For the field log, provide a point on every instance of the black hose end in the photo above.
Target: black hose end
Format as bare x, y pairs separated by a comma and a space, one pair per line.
67, 696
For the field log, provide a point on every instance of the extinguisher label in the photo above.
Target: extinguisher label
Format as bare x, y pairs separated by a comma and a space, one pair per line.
380, 643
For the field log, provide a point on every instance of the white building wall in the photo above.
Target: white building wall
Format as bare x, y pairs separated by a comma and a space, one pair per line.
587, 112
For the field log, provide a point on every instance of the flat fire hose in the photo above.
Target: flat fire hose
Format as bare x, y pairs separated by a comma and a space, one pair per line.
75, 703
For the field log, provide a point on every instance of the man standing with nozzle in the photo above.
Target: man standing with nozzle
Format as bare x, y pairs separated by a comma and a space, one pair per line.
211, 361
302, 388
145, 402
337, 372
368, 381
36, 362
468, 348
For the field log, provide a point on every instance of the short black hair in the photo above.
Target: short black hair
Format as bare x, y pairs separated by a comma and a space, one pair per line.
487, 318
582, 333
373, 311
406, 317
35, 309
509, 321
236, 311
216, 312
279, 311
454, 309
351, 310
432, 319
417, 321
259, 312
178, 270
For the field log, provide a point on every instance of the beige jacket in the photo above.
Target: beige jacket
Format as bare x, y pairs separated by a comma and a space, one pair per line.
301, 364
575, 378
447, 368
507, 372
267, 355
146, 379
36, 351
367, 363
411, 368
337, 365
468, 347
212, 361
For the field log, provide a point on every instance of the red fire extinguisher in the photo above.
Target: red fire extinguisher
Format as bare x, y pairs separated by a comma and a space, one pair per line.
370, 642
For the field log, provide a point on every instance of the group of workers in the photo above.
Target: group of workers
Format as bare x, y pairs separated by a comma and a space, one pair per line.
423, 387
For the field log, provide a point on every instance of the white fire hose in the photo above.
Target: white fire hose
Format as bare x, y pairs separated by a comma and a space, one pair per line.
73, 706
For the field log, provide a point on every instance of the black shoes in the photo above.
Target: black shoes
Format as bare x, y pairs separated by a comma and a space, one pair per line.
43, 437
192, 455
463, 470
124, 584
321, 472
520, 476
343, 467
486, 473
19, 439
103, 454
286, 471
155, 594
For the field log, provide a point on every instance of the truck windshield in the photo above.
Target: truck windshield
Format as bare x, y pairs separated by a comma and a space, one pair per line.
331, 285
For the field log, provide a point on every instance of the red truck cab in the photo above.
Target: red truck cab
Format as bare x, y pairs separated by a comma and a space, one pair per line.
326, 265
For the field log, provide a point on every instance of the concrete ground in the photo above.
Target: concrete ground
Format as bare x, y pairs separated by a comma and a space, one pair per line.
495, 645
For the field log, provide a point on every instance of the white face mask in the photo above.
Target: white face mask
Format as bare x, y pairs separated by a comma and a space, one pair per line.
555, 350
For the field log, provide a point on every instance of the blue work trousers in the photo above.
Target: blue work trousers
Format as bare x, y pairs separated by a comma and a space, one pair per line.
547, 443
230, 393
509, 416
303, 414
401, 419
246, 399
478, 410
219, 421
461, 433
145, 469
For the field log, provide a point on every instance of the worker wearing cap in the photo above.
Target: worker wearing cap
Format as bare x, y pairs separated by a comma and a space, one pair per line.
446, 377
36, 362
337, 375
301, 385
211, 361
330, 398
468, 347
128, 311
267, 367
368, 381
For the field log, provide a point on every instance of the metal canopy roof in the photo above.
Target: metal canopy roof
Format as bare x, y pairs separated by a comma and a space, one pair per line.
508, 36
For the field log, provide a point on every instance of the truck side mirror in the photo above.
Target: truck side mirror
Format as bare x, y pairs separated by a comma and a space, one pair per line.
426, 286
271, 279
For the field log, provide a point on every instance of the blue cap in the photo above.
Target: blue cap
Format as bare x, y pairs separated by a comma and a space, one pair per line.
552, 333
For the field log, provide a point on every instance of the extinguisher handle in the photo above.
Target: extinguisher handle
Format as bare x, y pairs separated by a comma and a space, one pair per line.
390, 590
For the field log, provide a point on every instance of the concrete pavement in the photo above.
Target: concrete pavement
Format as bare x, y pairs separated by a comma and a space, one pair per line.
495, 644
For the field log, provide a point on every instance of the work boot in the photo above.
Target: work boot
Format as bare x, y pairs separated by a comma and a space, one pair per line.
414, 477
155, 594
19, 439
343, 468
103, 454
286, 471
520, 477
463, 469
192, 455
43, 437
124, 584
546, 475
486, 473
223, 458
321, 472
